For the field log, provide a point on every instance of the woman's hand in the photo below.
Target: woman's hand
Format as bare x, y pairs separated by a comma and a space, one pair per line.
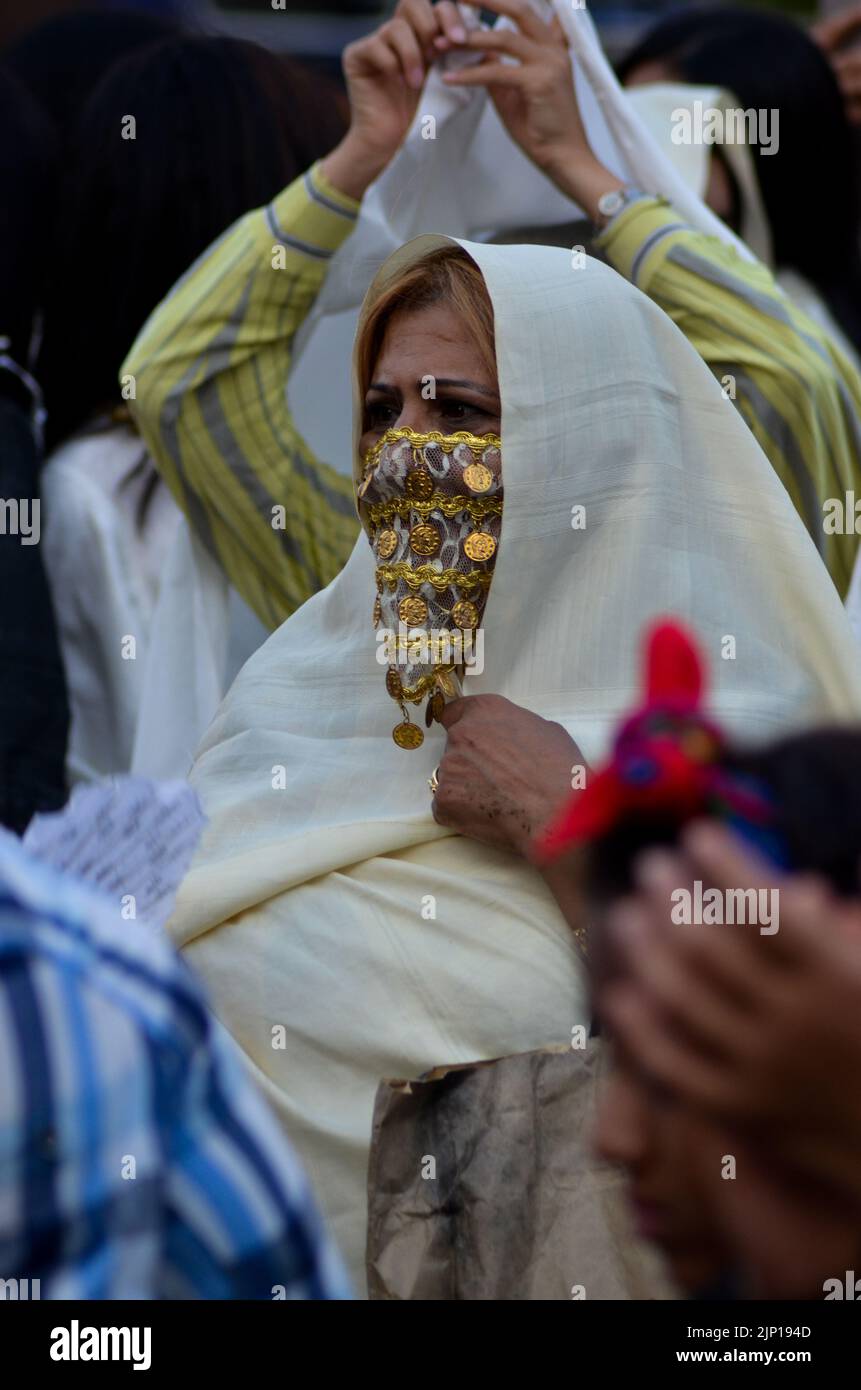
385, 73
504, 773
536, 99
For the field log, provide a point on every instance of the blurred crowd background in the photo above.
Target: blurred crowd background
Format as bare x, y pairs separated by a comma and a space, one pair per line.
318, 31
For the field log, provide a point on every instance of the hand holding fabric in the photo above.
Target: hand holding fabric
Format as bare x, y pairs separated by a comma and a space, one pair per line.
536, 99
504, 773
385, 73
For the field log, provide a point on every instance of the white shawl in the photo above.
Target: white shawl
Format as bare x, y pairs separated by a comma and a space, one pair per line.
343, 935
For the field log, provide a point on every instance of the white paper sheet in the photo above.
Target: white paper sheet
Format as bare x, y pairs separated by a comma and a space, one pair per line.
130, 838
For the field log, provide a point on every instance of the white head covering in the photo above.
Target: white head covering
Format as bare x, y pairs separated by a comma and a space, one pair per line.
659, 105
335, 907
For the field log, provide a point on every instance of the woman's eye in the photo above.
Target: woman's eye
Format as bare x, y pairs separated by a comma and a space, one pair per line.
459, 410
381, 414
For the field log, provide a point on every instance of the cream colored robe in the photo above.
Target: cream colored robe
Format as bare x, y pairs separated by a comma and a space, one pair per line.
345, 937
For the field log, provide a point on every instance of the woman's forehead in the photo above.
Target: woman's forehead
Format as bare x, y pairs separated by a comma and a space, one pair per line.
433, 339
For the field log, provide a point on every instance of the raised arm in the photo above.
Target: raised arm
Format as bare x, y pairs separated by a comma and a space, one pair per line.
798, 393
209, 371
209, 368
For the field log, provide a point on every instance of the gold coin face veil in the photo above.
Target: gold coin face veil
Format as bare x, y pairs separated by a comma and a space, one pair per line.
432, 507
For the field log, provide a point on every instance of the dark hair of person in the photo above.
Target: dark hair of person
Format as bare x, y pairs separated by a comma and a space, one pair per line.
62, 59
768, 62
220, 127
814, 782
28, 166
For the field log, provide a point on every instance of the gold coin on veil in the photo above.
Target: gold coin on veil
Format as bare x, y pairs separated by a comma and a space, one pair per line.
436, 705
477, 477
408, 735
465, 614
425, 539
378, 610
412, 611
387, 544
394, 684
419, 484
479, 546
446, 684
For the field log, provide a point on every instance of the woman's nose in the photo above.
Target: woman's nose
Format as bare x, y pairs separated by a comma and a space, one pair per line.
417, 415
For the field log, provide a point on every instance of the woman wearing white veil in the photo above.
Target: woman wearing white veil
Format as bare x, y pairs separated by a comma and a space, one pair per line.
210, 367
343, 935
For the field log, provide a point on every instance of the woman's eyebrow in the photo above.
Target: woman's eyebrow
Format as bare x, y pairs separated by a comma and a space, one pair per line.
440, 381
470, 385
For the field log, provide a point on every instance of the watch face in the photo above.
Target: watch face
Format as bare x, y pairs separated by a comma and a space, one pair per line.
610, 203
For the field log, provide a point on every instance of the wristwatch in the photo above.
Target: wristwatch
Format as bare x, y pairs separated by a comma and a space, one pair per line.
611, 204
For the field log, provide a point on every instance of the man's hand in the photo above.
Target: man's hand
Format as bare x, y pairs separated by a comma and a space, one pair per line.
385, 73
763, 1032
536, 99
505, 771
